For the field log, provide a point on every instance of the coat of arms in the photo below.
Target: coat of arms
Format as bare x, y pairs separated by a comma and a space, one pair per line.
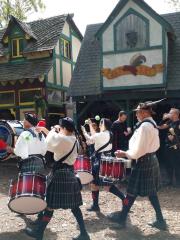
131, 38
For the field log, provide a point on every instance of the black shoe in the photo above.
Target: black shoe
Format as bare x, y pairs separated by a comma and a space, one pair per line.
81, 237
117, 219
158, 224
33, 233
93, 208
37, 222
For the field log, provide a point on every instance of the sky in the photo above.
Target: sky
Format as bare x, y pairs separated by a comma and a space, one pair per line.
90, 11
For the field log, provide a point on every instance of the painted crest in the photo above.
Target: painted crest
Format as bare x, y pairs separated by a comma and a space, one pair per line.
131, 38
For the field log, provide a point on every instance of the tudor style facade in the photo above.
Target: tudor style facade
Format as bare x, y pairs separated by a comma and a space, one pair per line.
129, 58
37, 58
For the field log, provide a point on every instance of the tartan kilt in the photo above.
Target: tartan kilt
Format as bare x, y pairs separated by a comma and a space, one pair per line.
145, 177
33, 164
95, 172
63, 190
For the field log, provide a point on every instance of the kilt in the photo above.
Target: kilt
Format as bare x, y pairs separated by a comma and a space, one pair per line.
95, 172
145, 177
63, 190
32, 164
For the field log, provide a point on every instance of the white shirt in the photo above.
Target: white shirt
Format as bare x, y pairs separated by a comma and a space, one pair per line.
144, 140
24, 148
61, 145
100, 139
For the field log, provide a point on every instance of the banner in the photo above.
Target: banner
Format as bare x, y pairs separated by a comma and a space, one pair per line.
128, 69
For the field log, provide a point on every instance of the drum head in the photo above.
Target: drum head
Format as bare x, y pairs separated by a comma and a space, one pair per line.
27, 205
7, 134
85, 177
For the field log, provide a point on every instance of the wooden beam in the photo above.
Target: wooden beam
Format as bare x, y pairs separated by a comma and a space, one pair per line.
22, 81
13, 82
84, 110
4, 83
118, 105
31, 80
130, 111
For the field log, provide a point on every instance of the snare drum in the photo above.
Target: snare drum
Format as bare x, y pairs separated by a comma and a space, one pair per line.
9, 132
27, 193
83, 168
112, 168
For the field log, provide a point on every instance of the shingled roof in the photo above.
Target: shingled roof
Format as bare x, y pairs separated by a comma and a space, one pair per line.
44, 33
86, 75
35, 69
173, 70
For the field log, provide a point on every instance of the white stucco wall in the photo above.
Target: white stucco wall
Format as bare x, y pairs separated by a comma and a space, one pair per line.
58, 72
76, 45
66, 30
57, 48
51, 76
66, 73
118, 60
155, 28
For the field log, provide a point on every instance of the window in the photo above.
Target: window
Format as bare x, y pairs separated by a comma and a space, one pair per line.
7, 98
26, 96
17, 47
65, 48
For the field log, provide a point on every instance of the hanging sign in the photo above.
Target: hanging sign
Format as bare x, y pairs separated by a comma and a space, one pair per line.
135, 68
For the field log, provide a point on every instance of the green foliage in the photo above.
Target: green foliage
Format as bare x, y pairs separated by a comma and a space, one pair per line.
19, 8
39, 102
175, 4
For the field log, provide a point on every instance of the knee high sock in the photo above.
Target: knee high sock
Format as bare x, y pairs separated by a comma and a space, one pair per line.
127, 204
95, 197
78, 215
155, 203
45, 220
114, 190
40, 215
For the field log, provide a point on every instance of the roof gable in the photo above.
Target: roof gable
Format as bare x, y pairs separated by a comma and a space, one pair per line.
121, 4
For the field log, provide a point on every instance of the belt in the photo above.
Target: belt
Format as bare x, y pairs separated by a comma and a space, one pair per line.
147, 155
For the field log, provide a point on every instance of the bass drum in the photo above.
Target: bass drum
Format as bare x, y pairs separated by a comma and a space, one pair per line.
9, 133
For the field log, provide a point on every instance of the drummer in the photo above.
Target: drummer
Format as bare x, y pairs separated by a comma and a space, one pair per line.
63, 190
30, 147
103, 144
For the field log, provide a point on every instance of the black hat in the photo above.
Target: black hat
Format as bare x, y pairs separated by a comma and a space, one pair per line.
67, 119
147, 106
31, 118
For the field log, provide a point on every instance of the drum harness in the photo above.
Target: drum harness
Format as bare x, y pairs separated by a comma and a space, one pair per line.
138, 125
39, 156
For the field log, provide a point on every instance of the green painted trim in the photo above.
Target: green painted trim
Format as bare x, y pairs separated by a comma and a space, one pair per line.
154, 15
71, 47
124, 96
75, 35
134, 87
118, 105
111, 17
20, 107
164, 54
101, 63
127, 111
133, 50
16, 29
65, 37
54, 69
56, 87
131, 111
84, 109
75, 112
54, 105
131, 11
12, 62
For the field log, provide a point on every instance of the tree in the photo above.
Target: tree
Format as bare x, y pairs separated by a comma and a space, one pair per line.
175, 4
19, 8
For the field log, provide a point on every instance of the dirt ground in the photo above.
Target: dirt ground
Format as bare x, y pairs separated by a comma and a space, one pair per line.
63, 225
